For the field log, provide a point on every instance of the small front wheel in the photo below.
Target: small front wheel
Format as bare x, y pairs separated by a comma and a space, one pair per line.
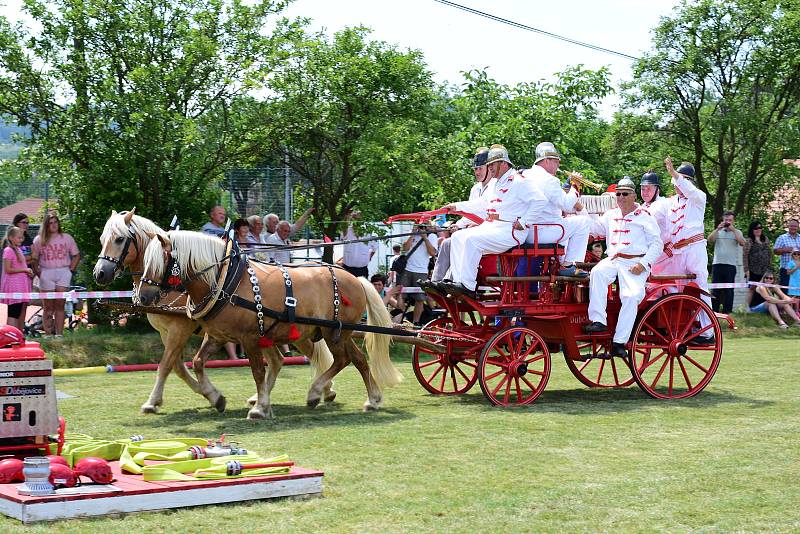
514, 367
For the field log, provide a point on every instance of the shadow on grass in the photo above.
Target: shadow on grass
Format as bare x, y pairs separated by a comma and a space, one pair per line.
597, 401
287, 416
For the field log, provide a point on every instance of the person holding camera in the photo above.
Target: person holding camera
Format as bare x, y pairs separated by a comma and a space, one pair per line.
727, 239
419, 249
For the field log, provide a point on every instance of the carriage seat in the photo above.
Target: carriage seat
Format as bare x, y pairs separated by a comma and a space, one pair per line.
536, 249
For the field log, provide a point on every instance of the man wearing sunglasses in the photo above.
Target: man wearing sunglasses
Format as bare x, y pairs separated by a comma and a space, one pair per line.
633, 242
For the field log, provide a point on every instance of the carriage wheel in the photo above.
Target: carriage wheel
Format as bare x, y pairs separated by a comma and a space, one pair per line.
667, 361
444, 373
598, 371
514, 366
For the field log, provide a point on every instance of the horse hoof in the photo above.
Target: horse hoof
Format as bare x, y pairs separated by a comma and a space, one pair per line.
149, 408
369, 407
330, 397
256, 414
312, 403
220, 404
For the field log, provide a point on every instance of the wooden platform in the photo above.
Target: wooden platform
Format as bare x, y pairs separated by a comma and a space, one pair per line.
129, 493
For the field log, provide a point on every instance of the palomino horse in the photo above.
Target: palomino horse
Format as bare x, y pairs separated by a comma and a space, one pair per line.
123, 242
199, 260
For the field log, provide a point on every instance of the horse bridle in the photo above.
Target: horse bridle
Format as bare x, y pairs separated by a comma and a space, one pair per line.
119, 265
171, 279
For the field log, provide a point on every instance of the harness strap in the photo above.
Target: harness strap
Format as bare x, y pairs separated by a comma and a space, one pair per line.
336, 301
232, 278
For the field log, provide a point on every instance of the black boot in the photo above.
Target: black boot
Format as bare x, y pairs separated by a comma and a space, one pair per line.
595, 327
618, 349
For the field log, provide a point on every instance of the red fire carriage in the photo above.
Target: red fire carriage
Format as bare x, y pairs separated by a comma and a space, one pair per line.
505, 338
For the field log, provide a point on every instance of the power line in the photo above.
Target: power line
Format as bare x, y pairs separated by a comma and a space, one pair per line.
532, 29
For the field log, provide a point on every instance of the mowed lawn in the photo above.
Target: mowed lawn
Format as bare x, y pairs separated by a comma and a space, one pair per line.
727, 460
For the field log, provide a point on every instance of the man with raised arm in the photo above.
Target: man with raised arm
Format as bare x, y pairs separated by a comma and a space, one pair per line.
576, 228
507, 212
633, 244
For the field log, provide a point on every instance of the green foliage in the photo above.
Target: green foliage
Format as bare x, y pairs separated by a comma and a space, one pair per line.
722, 86
128, 103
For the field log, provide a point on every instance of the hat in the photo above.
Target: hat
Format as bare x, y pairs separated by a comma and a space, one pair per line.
686, 169
650, 178
546, 150
497, 153
626, 184
479, 160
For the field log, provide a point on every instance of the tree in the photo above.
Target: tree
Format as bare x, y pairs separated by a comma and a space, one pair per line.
129, 103
723, 84
347, 115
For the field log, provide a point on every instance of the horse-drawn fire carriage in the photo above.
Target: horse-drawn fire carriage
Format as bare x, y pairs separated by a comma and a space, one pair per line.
505, 337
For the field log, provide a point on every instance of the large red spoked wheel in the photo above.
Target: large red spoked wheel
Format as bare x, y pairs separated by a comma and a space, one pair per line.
668, 359
596, 370
450, 372
514, 367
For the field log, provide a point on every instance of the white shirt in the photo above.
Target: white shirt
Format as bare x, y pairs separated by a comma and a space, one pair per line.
280, 256
418, 262
513, 197
685, 215
658, 209
635, 233
558, 201
357, 254
478, 190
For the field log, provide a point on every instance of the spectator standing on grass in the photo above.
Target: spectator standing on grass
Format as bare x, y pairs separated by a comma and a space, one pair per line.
255, 236
17, 276
271, 223
793, 270
242, 232
784, 246
21, 221
216, 225
55, 258
356, 256
727, 239
417, 266
397, 251
280, 239
773, 301
757, 256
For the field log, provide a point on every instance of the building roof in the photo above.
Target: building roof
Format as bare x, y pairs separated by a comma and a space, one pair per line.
32, 207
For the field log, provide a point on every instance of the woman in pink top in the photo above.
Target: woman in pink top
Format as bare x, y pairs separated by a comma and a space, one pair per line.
17, 276
55, 257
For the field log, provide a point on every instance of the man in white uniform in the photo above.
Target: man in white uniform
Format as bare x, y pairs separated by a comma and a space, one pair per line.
483, 183
356, 255
653, 202
686, 245
576, 228
507, 212
633, 244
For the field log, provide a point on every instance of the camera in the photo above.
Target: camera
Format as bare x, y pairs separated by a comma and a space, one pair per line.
726, 225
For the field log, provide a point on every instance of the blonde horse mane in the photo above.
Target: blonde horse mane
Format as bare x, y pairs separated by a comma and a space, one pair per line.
194, 251
115, 226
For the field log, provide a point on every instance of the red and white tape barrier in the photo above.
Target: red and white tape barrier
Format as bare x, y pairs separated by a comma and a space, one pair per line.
49, 295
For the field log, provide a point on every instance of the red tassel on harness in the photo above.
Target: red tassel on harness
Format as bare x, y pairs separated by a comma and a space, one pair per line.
265, 342
345, 300
294, 333
174, 281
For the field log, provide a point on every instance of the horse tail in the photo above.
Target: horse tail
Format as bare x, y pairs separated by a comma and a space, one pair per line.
377, 345
321, 358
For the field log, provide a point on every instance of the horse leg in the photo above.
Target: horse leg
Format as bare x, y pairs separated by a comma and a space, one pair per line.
264, 378
174, 340
340, 361
321, 360
207, 389
273, 353
374, 396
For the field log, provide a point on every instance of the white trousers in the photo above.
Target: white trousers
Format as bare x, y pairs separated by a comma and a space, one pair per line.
631, 293
442, 264
468, 245
691, 260
576, 236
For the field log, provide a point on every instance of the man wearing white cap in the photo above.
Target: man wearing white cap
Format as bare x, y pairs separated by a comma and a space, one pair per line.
507, 213
633, 244
576, 228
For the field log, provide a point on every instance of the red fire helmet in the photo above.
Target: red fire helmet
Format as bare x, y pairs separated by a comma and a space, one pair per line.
57, 460
11, 335
61, 476
11, 470
95, 469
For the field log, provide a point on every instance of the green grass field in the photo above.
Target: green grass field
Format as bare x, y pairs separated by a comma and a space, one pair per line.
576, 460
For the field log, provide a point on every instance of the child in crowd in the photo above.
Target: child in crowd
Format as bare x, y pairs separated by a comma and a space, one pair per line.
17, 276
793, 270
